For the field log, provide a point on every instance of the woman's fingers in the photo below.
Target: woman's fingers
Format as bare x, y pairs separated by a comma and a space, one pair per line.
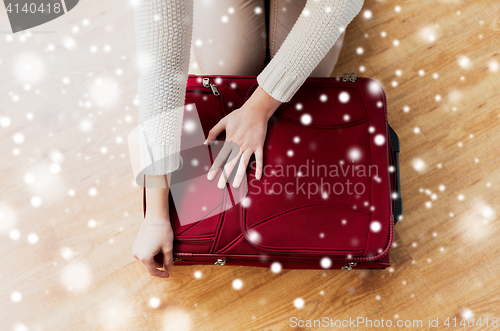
219, 160
242, 167
215, 131
150, 265
228, 168
158, 260
259, 162
167, 259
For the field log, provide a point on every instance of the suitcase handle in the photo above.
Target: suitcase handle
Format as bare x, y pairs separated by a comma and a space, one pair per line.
398, 202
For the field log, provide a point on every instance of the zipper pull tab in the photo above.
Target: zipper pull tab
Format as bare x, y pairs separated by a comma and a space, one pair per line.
349, 77
220, 261
213, 87
349, 266
206, 82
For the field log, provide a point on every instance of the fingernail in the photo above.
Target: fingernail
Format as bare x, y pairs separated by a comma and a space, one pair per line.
235, 185
210, 176
221, 185
206, 142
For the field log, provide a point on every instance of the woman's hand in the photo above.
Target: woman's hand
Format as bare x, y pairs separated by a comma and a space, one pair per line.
154, 243
155, 236
246, 130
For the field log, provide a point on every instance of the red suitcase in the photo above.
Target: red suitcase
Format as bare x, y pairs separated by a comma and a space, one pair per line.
303, 213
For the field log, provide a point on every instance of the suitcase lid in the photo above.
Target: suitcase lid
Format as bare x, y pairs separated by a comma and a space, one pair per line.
345, 136
351, 226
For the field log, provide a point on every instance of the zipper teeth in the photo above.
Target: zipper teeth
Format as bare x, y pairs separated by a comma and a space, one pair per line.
235, 88
270, 258
230, 259
193, 242
250, 77
195, 91
391, 221
386, 250
383, 94
193, 239
328, 80
196, 87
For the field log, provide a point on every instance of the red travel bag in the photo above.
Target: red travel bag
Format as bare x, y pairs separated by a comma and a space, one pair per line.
329, 196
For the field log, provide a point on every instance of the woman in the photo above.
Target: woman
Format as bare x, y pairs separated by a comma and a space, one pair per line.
304, 39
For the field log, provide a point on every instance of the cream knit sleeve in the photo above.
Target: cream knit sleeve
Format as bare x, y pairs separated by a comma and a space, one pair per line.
163, 36
313, 35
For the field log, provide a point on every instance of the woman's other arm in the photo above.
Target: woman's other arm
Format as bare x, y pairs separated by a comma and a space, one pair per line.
163, 37
155, 235
312, 36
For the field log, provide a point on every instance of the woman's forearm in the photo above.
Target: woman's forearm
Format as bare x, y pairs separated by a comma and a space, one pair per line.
312, 36
163, 35
262, 103
156, 196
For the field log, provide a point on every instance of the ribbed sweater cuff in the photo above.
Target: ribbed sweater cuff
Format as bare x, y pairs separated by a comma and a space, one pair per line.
279, 83
159, 160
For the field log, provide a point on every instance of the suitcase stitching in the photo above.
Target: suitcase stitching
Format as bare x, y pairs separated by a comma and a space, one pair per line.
386, 135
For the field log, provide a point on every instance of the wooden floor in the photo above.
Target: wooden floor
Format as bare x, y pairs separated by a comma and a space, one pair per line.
69, 212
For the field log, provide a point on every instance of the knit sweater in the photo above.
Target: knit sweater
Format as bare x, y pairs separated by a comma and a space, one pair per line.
163, 36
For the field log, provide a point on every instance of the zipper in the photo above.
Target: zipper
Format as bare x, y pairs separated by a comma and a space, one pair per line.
194, 240
221, 259
197, 90
384, 97
212, 86
352, 77
201, 256
347, 78
204, 241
